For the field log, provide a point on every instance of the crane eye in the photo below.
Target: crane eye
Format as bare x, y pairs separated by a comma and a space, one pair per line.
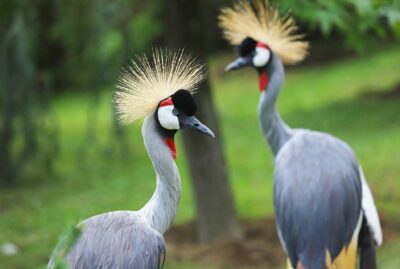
175, 111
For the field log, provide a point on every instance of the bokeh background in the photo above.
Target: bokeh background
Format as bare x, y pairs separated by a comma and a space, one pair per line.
64, 157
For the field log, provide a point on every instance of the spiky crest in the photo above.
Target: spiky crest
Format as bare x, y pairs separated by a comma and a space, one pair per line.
261, 21
146, 82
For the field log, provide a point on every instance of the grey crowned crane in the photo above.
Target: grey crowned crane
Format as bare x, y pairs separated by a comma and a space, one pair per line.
160, 90
324, 209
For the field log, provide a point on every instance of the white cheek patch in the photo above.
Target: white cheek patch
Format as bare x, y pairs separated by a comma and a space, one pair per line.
262, 57
167, 119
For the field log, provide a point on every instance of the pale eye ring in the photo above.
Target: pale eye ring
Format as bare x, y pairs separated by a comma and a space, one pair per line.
175, 111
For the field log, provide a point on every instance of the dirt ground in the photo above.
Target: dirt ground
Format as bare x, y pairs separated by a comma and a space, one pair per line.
391, 94
260, 247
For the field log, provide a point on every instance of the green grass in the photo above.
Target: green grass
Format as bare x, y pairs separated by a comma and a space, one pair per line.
97, 173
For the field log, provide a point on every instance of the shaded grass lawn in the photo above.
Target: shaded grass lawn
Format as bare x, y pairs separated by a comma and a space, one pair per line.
94, 175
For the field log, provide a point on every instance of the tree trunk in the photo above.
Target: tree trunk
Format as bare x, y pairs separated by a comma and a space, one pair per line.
216, 217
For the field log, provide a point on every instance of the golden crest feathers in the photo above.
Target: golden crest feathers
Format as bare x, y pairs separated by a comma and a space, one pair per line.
146, 82
261, 22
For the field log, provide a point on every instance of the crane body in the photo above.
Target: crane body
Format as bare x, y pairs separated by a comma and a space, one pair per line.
318, 188
160, 91
133, 239
325, 213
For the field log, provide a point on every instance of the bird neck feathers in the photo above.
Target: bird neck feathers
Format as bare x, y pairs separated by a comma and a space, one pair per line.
275, 131
160, 210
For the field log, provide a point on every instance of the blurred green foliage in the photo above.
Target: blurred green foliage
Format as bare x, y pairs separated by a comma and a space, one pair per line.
49, 47
102, 36
361, 22
27, 131
81, 45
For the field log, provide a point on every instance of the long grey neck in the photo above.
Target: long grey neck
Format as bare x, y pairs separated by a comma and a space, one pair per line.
161, 208
275, 130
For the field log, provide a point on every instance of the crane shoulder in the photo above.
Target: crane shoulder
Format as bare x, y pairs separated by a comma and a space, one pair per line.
119, 239
314, 143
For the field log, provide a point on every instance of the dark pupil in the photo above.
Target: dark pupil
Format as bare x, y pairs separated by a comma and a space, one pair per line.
175, 111
247, 47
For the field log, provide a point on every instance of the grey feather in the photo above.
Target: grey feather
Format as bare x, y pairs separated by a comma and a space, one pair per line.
275, 131
317, 183
317, 196
133, 239
119, 239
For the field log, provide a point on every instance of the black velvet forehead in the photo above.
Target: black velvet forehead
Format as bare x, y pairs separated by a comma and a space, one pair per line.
183, 101
247, 46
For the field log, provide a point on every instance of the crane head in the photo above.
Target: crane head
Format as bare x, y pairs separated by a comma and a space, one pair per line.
177, 112
260, 21
252, 53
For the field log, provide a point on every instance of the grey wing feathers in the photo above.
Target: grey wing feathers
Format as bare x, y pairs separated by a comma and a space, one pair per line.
317, 197
117, 240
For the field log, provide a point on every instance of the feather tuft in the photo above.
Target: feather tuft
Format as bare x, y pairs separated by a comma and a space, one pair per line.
146, 82
262, 22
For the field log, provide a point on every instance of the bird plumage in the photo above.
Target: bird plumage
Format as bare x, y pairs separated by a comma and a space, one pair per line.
370, 212
317, 196
320, 195
335, 173
134, 239
119, 239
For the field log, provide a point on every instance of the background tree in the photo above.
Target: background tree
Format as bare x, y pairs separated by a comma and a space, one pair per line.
27, 132
216, 216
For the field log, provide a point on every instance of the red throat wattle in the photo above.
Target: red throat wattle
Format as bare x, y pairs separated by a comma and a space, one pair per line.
169, 141
263, 81
171, 145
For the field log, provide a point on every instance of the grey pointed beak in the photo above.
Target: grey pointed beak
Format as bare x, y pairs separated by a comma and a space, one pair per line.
239, 63
193, 123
